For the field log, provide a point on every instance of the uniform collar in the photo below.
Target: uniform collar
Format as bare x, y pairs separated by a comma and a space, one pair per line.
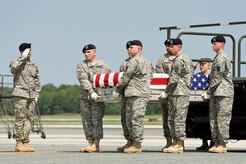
95, 63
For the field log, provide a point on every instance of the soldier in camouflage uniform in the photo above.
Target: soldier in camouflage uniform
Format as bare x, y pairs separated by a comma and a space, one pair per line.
126, 132
164, 65
135, 85
221, 91
25, 95
178, 90
91, 112
204, 65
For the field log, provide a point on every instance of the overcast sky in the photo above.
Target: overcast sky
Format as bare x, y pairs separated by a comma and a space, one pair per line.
59, 29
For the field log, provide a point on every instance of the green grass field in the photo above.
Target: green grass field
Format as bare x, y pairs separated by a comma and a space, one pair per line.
74, 119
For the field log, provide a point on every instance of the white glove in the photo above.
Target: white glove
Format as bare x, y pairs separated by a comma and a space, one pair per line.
115, 94
36, 99
25, 54
206, 96
94, 96
163, 95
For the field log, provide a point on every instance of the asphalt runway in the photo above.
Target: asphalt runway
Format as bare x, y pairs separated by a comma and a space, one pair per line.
62, 146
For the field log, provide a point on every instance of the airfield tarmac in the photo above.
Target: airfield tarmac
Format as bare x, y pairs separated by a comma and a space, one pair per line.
62, 146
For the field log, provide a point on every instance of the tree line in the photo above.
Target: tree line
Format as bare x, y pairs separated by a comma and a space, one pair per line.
65, 99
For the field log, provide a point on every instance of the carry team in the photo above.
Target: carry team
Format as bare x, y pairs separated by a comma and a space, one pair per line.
134, 91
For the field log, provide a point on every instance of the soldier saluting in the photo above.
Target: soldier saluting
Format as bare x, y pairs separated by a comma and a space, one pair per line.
25, 95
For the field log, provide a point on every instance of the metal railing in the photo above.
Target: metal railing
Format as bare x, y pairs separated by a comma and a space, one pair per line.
5, 83
239, 55
169, 28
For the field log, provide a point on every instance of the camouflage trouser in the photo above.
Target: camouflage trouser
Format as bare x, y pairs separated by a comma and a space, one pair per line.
123, 118
24, 111
220, 110
165, 126
135, 111
177, 114
92, 114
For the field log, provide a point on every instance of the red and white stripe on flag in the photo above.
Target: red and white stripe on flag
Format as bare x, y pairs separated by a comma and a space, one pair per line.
106, 79
159, 81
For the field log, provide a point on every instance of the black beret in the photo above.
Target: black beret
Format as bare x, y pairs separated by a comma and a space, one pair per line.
24, 46
88, 47
205, 60
218, 38
167, 42
175, 41
133, 42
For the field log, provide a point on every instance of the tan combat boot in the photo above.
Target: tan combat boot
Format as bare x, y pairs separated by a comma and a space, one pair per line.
94, 147
20, 147
127, 145
211, 150
173, 144
178, 148
221, 148
169, 143
134, 148
89, 145
28, 148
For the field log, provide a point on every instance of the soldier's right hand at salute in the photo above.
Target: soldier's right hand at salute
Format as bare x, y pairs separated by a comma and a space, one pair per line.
25, 54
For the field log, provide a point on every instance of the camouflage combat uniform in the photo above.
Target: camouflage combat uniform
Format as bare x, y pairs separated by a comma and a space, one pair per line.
91, 112
25, 92
164, 65
126, 132
222, 92
178, 91
135, 84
